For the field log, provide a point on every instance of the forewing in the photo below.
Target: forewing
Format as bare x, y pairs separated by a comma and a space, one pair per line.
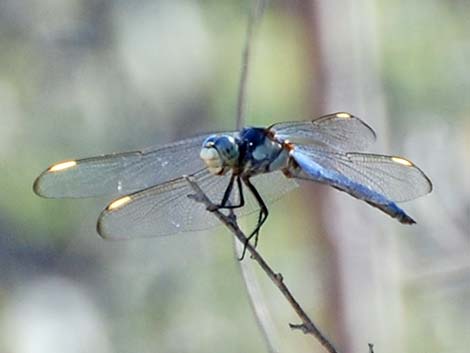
121, 173
396, 178
166, 208
339, 131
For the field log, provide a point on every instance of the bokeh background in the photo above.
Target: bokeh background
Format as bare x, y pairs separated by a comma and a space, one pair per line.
85, 77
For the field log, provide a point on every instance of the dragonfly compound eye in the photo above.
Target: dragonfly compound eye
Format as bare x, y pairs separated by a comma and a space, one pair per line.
218, 152
227, 148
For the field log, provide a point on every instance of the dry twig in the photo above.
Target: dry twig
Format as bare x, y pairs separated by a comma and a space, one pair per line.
258, 305
255, 15
307, 326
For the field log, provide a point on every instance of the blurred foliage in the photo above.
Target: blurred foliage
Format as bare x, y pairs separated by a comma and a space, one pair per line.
424, 51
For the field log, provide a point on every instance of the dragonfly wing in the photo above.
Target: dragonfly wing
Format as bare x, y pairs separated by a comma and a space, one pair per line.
160, 210
394, 177
271, 186
310, 169
121, 173
339, 131
166, 209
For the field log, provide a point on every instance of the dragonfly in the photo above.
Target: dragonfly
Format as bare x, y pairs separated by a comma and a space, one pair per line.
240, 171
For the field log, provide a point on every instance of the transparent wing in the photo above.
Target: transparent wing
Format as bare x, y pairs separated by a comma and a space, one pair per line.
166, 209
339, 131
121, 173
309, 169
396, 178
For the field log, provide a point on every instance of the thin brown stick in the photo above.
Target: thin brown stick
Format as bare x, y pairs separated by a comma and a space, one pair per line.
254, 292
307, 326
255, 14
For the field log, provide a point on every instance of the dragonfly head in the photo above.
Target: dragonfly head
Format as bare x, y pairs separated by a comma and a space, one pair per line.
219, 153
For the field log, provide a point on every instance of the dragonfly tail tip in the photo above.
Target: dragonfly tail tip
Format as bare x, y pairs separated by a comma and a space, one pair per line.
405, 219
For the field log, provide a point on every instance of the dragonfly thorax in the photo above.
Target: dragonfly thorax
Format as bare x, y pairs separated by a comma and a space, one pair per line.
220, 153
261, 153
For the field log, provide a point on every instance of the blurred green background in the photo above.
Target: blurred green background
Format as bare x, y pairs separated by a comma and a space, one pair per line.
86, 77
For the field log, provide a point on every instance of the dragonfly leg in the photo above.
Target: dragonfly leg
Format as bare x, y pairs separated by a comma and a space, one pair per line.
262, 216
225, 204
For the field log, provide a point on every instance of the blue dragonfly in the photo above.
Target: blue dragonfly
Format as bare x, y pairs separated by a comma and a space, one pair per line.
240, 171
